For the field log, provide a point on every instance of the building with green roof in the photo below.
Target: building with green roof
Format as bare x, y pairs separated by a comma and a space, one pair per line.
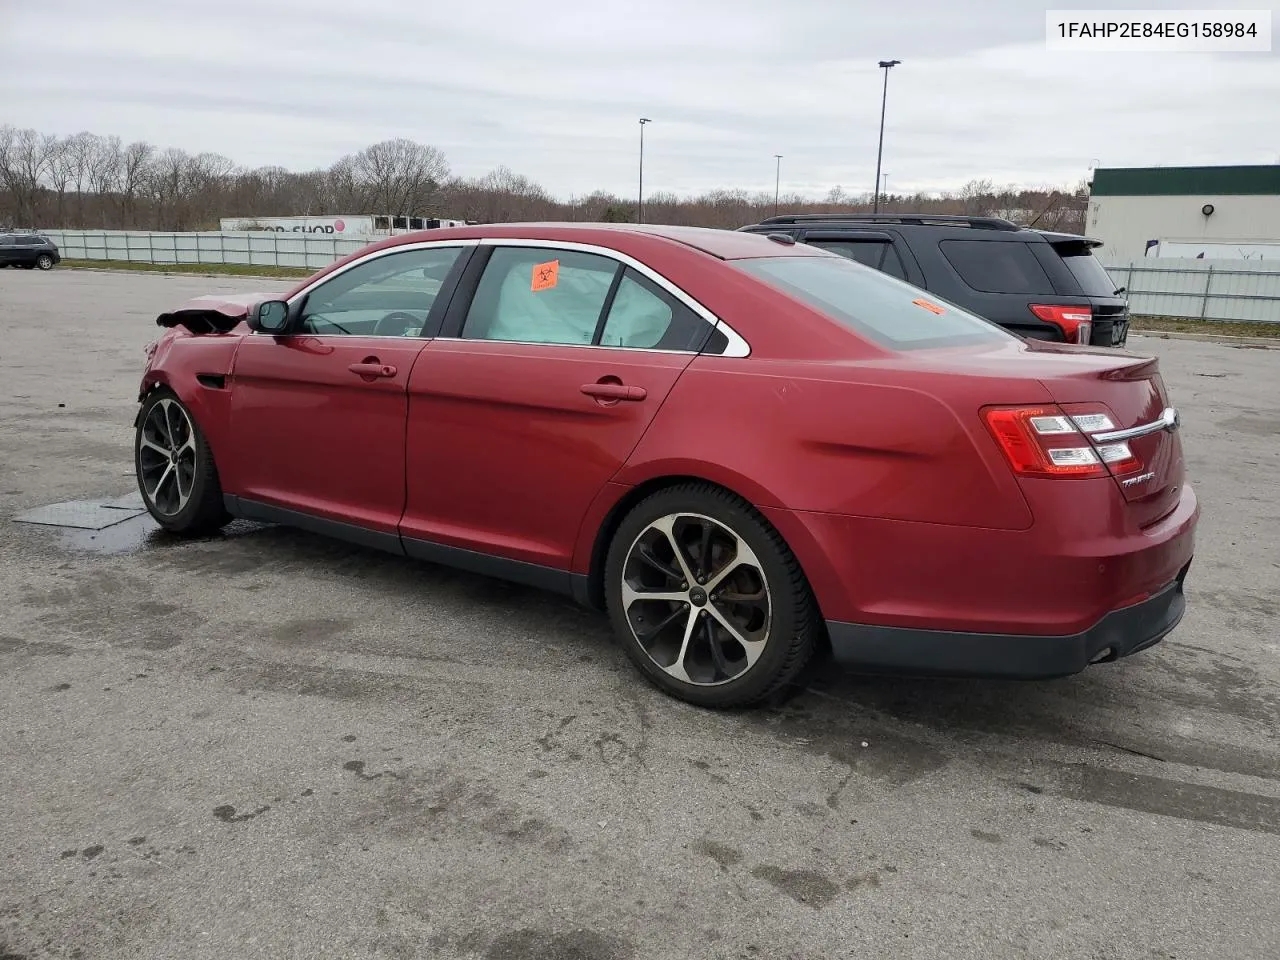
1218, 213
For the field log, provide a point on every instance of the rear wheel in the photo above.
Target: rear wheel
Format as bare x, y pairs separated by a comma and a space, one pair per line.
707, 599
44, 262
175, 468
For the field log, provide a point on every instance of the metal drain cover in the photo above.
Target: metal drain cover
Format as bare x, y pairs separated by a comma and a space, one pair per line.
86, 514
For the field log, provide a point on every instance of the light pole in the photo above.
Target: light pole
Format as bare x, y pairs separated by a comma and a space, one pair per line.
777, 183
640, 199
886, 65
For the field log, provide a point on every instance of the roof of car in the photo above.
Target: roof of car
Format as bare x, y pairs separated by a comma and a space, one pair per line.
724, 244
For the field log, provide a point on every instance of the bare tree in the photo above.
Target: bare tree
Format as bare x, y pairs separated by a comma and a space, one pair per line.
27, 157
394, 176
134, 161
60, 173
80, 151
138, 186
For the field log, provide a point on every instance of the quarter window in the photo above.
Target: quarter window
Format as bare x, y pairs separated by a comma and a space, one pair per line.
644, 316
388, 296
997, 266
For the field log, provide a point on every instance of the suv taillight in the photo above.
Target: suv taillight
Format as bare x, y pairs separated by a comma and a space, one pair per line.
1075, 322
1043, 441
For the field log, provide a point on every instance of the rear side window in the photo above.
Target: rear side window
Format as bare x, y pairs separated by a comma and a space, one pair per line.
881, 308
997, 266
540, 295
1085, 267
877, 254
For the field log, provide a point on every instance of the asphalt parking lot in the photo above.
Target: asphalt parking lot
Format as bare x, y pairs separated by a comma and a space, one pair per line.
272, 745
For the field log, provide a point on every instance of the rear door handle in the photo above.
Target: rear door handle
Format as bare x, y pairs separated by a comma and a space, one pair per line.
614, 391
371, 368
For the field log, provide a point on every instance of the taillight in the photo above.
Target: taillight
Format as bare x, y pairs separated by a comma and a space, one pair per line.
1043, 441
1076, 323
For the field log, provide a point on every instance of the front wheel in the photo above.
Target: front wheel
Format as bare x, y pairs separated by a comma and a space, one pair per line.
44, 262
175, 469
707, 599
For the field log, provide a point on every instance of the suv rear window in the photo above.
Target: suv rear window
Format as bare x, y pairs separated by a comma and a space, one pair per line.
997, 266
1085, 267
881, 308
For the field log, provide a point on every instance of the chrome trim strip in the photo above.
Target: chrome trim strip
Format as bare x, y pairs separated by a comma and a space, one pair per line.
1168, 420
736, 347
421, 245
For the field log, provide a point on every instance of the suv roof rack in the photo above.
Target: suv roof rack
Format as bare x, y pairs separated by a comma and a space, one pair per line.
939, 220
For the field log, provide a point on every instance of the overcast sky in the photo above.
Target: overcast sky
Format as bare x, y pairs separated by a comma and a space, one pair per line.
554, 88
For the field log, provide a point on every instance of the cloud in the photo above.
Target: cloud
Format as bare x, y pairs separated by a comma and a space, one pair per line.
555, 91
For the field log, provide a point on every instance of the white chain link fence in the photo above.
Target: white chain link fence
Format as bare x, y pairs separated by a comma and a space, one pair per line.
267, 248
1229, 290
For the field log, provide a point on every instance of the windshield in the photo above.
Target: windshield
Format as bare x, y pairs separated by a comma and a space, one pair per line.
888, 311
1087, 269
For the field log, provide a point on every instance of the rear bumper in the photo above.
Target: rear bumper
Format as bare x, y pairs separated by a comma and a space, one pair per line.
944, 653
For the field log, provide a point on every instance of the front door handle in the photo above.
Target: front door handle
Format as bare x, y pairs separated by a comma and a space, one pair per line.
372, 368
614, 391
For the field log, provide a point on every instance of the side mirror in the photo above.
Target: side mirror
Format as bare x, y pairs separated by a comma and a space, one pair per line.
271, 316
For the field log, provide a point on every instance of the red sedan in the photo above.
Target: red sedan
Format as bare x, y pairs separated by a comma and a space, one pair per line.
746, 450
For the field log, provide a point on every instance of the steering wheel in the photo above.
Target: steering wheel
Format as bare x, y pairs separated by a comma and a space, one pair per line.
397, 324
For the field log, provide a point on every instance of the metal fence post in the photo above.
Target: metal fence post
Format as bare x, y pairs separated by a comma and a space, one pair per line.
275, 249
1208, 282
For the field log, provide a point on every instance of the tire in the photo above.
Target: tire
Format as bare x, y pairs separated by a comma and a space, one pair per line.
193, 508
760, 591
44, 262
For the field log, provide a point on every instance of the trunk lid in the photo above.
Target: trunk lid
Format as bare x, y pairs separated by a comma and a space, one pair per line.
1131, 392
1084, 381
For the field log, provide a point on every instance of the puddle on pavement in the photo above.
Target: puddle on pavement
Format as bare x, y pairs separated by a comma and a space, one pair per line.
141, 533
114, 526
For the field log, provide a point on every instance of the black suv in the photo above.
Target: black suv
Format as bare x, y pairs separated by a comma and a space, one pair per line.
1038, 284
28, 250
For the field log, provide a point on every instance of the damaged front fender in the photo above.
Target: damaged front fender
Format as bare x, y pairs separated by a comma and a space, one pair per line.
212, 314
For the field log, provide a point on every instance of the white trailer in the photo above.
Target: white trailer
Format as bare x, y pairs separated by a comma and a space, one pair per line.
339, 226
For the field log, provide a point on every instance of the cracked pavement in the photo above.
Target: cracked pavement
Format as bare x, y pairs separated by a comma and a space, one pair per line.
272, 745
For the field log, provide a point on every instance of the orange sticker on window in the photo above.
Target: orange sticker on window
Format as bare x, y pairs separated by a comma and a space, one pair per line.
546, 275
931, 307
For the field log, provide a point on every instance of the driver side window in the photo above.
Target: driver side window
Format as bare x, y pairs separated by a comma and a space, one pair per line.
388, 296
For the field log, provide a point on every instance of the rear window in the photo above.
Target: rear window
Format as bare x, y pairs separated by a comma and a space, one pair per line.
883, 309
1086, 268
993, 266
